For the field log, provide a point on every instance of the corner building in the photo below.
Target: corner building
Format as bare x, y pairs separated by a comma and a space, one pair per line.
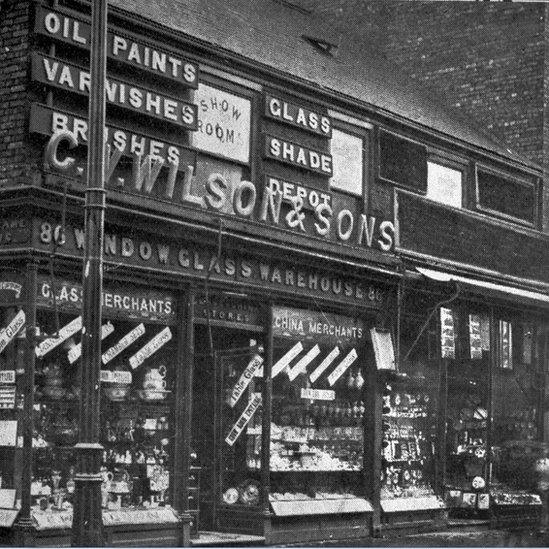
312, 328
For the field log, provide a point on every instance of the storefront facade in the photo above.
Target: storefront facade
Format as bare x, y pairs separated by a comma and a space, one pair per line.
261, 294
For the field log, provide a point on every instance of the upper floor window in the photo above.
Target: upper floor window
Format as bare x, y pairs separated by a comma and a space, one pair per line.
444, 184
347, 151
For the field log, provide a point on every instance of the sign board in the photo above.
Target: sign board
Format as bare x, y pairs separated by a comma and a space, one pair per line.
323, 366
301, 366
448, 336
157, 342
116, 376
383, 349
225, 309
124, 343
7, 397
244, 419
317, 394
224, 123
7, 376
51, 343
247, 375
74, 354
8, 433
122, 46
72, 78
9, 285
12, 329
342, 367
283, 362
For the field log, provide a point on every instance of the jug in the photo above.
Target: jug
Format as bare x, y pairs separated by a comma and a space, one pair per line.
154, 378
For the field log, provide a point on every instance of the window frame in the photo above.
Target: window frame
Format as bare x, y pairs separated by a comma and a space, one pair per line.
447, 160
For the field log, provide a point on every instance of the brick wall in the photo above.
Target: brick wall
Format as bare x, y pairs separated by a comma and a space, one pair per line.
14, 104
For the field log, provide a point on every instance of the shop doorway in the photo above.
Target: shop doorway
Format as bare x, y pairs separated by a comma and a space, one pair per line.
226, 472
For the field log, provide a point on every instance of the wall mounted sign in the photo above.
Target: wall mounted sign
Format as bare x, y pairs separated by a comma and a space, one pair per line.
7, 397
65, 332
322, 367
247, 375
228, 309
10, 286
74, 354
121, 46
298, 117
66, 76
298, 156
224, 123
316, 326
127, 303
155, 344
447, 336
244, 419
124, 343
195, 260
12, 329
318, 394
342, 367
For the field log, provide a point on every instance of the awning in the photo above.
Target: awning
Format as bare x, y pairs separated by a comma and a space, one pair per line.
491, 288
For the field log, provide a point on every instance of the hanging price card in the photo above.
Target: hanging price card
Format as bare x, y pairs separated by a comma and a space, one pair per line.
245, 379
334, 353
244, 418
64, 333
11, 330
151, 347
286, 359
342, 367
301, 366
74, 354
125, 342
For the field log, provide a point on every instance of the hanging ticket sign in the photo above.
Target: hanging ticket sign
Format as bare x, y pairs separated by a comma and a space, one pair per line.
74, 354
159, 340
318, 394
11, 330
247, 375
301, 366
286, 359
7, 376
475, 339
64, 333
125, 342
244, 419
448, 336
342, 368
116, 376
334, 353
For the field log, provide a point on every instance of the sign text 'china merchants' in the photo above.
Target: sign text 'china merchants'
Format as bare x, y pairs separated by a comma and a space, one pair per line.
243, 198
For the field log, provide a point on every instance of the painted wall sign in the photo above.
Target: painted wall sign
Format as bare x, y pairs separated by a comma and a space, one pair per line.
156, 343
206, 189
12, 329
66, 76
342, 367
194, 260
247, 375
317, 394
321, 368
46, 121
74, 354
228, 309
224, 123
299, 117
67, 331
301, 366
283, 362
243, 420
124, 343
317, 326
150, 305
121, 46
298, 156
15, 287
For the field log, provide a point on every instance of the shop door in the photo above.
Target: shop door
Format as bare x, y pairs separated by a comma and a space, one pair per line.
227, 451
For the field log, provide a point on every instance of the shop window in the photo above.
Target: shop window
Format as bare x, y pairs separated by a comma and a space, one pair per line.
347, 151
511, 198
319, 404
444, 184
402, 161
505, 345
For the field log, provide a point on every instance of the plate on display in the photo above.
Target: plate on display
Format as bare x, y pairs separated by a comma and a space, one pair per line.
230, 496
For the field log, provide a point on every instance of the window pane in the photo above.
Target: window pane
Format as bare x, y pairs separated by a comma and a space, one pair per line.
347, 153
444, 184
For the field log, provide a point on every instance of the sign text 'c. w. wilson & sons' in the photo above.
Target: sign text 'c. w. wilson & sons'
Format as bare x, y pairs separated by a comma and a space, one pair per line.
121, 46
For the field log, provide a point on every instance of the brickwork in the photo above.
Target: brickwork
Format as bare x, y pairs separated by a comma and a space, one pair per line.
14, 104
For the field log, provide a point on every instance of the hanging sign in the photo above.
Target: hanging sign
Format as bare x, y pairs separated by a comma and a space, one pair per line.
74, 354
318, 394
64, 333
342, 368
7, 376
125, 342
116, 376
151, 347
7, 397
8, 433
383, 349
286, 359
301, 366
448, 338
7, 517
247, 375
334, 353
244, 419
12, 329
475, 338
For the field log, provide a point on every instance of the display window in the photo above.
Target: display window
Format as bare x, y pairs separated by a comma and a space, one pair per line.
317, 428
138, 365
